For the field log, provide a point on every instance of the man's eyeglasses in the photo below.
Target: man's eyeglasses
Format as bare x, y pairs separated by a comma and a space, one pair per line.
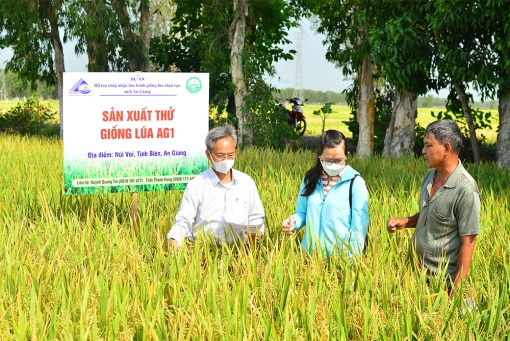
221, 157
329, 162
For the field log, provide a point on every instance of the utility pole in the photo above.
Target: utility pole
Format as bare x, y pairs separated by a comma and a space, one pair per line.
298, 80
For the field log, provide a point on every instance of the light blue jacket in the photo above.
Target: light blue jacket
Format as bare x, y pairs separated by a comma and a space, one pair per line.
328, 220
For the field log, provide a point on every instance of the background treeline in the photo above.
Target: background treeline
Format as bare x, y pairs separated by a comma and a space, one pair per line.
316, 97
430, 101
14, 89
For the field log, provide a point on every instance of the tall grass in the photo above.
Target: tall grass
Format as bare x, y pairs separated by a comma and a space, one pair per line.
72, 268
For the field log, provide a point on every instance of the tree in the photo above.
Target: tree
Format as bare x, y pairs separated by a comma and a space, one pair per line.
15, 89
236, 35
323, 113
346, 25
462, 38
133, 18
115, 34
402, 51
199, 41
31, 29
96, 34
493, 80
162, 13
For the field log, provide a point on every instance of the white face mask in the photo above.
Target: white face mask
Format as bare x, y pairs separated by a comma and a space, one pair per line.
222, 166
332, 168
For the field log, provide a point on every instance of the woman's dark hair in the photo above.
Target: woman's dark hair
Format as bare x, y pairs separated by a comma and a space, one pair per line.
329, 139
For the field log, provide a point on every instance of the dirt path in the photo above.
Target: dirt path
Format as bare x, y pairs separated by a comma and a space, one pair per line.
309, 142
312, 142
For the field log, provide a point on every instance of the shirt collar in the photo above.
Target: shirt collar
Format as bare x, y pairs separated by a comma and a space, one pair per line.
454, 177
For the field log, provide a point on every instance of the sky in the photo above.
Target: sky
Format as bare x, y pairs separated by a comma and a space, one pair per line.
72, 62
317, 73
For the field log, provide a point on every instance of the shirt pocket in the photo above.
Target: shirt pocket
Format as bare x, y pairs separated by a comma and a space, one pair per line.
440, 225
238, 211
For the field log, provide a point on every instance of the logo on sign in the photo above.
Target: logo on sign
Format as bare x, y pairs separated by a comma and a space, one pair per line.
194, 85
80, 88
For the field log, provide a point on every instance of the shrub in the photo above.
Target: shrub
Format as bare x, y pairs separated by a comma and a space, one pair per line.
268, 121
28, 118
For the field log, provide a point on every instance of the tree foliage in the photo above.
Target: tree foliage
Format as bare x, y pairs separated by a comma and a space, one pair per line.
346, 25
25, 27
114, 33
199, 42
402, 48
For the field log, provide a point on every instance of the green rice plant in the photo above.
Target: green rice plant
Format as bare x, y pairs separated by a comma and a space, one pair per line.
72, 267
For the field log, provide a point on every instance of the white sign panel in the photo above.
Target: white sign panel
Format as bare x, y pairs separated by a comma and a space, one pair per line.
126, 132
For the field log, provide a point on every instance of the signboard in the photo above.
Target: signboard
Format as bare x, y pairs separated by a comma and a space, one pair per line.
131, 132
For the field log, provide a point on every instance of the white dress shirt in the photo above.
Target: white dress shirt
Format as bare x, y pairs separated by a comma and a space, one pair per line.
228, 212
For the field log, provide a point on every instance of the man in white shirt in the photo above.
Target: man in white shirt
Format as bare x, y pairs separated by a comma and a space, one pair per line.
221, 201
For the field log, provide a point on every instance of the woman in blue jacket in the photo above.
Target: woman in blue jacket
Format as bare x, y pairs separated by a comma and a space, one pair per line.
335, 221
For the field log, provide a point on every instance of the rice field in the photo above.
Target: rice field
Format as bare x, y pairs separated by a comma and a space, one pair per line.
342, 113
75, 268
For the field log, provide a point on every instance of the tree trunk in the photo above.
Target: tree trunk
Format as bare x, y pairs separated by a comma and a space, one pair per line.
236, 40
95, 43
469, 120
145, 34
136, 48
503, 147
97, 61
50, 11
366, 109
401, 133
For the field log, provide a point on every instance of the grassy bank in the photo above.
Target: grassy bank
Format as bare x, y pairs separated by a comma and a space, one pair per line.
73, 268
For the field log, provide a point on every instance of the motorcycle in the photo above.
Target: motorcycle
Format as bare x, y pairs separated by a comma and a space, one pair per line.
296, 118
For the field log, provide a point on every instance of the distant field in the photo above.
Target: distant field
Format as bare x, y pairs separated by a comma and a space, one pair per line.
342, 113
424, 118
333, 121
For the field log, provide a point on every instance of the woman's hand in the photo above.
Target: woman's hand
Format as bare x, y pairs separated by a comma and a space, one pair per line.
288, 225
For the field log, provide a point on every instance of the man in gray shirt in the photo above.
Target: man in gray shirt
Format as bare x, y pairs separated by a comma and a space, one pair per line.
448, 220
